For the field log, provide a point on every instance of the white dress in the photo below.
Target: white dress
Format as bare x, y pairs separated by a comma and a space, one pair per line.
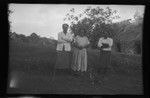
63, 51
62, 43
80, 55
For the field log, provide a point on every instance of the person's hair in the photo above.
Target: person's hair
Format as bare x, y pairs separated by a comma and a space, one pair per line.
82, 32
63, 25
107, 34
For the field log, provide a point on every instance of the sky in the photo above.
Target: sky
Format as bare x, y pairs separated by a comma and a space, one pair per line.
46, 19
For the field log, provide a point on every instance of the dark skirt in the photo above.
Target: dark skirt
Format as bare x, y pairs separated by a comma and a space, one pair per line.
100, 71
105, 58
63, 60
104, 61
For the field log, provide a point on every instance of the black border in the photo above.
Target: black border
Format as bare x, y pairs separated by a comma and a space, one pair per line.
4, 24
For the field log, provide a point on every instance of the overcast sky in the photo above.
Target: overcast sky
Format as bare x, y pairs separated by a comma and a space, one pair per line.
46, 19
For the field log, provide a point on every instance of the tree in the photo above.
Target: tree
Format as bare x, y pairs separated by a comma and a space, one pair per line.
128, 32
95, 22
138, 18
10, 22
34, 37
24, 38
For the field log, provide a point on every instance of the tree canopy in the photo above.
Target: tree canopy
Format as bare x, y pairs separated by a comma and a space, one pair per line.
98, 21
95, 21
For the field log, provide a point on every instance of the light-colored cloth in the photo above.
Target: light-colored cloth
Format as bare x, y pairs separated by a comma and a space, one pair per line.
82, 60
75, 57
108, 41
79, 62
63, 41
82, 41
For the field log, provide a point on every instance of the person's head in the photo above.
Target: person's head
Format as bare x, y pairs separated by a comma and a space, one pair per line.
82, 32
65, 27
105, 34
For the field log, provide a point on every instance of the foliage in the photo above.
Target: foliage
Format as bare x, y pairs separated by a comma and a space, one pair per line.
128, 32
95, 21
32, 39
9, 13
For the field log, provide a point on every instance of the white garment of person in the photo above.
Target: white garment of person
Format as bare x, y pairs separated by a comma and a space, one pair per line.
108, 41
62, 43
82, 41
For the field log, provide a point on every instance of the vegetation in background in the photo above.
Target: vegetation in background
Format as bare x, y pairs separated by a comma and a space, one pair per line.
35, 55
97, 21
41, 51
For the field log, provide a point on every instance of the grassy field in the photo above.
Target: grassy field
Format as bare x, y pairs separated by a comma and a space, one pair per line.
33, 63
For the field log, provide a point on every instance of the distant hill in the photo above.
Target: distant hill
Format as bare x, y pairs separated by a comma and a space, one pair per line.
128, 36
127, 31
51, 37
32, 39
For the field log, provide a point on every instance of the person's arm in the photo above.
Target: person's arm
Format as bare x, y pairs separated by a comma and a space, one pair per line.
100, 43
60, 39
111, 42
68, 38
88, 43
75, 43
71, 38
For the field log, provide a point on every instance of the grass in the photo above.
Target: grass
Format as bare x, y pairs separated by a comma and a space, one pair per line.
36, 58
33, 66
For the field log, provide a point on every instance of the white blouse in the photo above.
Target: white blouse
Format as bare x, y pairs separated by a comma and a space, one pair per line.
62, 41
108, 41
82, 41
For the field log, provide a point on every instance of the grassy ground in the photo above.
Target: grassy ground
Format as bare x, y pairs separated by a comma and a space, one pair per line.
31, 70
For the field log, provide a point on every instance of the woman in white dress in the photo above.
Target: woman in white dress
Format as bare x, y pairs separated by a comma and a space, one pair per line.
64, 49
79, 61
105, 43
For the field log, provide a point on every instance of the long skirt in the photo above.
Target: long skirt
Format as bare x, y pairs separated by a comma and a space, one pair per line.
101, 71
63, 60
79, 61
104, 62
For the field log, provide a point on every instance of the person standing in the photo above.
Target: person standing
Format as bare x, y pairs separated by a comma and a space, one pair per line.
63, 61
105, 43
79, 61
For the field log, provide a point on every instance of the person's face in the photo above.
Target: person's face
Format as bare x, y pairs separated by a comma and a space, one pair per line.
65, 28
105, 35
82, 33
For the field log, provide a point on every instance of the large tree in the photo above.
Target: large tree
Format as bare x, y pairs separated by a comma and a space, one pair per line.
9, 12
95, 21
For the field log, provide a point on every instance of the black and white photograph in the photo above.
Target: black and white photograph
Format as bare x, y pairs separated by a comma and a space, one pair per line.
90, 49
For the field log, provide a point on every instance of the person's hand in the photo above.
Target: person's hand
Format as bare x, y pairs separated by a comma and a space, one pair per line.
105, 45
67, 40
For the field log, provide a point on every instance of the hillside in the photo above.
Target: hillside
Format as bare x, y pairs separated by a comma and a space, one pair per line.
127, 31
31, 67
33, 39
